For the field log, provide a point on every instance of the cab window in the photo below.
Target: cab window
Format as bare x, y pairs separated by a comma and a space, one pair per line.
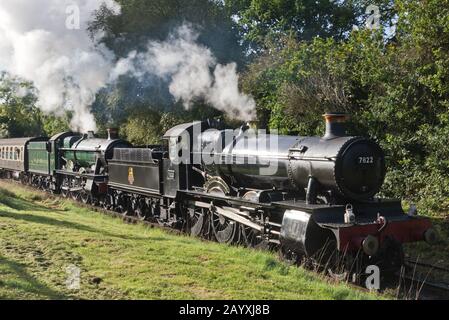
173, 148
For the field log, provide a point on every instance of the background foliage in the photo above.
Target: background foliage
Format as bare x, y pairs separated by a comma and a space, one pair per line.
298, 58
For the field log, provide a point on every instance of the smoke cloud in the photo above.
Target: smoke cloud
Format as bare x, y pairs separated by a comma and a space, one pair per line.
193, 73
46, 42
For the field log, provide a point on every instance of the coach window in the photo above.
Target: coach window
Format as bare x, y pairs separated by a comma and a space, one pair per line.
22, 153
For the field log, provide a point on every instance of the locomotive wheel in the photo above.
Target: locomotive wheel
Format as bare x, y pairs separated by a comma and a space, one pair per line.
139, 208
65, 184
251, 238
225, 230
123, 210
248, 236
85, 197
108, 202
218, 186
123, 206
197, 217
75, 195
65, 193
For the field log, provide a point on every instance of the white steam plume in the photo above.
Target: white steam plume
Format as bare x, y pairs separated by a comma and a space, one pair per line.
193, 73
62, 63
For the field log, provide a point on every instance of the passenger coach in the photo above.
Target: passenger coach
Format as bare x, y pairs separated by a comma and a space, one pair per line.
14, 155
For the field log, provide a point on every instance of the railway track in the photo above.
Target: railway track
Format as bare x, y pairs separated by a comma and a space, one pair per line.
415, 286
422, 283
415, 262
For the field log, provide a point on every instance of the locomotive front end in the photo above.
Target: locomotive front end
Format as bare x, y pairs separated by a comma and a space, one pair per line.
373, 232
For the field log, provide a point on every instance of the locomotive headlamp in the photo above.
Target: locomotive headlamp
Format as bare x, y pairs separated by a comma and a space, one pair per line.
430, 236
349, 214
370, 245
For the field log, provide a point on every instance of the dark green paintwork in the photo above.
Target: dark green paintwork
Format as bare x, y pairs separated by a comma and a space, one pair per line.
38, 157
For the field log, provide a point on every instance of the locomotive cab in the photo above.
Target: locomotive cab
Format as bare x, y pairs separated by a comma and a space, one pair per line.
180, 167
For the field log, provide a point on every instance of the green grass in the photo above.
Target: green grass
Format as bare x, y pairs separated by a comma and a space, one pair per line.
41, 236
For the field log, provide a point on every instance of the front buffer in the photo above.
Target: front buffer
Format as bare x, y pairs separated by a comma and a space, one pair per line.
373, 232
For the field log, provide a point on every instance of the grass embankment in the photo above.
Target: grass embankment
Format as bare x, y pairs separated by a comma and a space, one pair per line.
40, 237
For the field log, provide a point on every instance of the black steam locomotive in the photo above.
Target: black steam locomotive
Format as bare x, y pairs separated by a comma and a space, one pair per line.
307, 196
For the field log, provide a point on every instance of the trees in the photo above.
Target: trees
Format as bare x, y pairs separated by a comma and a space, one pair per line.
396, 90
307, 19
260, 20
142, 20
18, 115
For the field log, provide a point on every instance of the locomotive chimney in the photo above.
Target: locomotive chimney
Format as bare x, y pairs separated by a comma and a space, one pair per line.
335, 125
90, 135
113, 134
